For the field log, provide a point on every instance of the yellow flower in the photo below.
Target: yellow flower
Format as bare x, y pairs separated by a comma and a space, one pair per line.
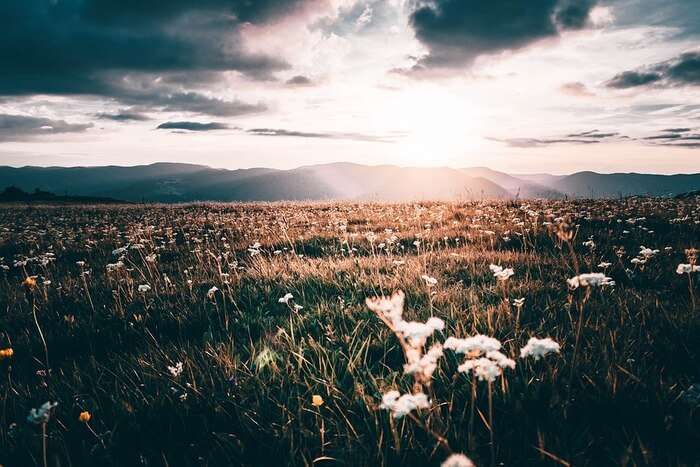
6, 353
85, 416
316, 400
29, 282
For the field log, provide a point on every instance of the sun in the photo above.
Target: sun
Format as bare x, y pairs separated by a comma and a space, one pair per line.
437, 125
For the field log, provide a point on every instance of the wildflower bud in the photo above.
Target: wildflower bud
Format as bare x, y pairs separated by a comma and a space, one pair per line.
29, 283
84, 416
6, 353
316, 400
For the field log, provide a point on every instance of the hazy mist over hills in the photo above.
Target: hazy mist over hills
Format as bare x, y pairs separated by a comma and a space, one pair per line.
174, 182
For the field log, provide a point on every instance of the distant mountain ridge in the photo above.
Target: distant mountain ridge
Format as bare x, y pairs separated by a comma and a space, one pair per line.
13, 194
176, 182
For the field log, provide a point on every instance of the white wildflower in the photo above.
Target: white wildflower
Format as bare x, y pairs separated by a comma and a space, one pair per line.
175, 370
500, 273
402, 405
500, 359
287, 297
390, 308
429, 281
416, 333
115, 266
479, 343
593, 279
483, 368
687, 268
647, 252
425, 365
457, 460
538, 348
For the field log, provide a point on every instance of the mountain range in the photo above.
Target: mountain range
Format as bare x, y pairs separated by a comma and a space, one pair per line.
176, 182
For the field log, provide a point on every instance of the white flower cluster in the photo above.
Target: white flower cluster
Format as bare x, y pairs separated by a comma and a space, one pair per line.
479, 344
500, 273
413, 335
457, 460
487, 368
423, 365
484, 359
416, 333
402, 405
112, 267
254, 249
687, 268
538, 348
592, 279
389, 308
429, 280
176, 370
645, 254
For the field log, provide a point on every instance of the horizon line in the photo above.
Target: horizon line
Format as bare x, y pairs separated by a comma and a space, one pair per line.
513, 174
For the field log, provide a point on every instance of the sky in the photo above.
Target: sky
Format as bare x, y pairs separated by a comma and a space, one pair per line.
554, 86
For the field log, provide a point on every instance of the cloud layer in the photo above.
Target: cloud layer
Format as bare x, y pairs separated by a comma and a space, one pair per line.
21, 128
149, 52
683, 70
457, 31
192, 126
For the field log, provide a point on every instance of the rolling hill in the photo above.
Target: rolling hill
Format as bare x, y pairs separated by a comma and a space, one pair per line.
174, 182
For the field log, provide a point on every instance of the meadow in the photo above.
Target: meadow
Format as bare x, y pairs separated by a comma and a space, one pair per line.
242, 334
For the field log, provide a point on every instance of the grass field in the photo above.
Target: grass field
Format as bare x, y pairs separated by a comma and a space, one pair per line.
99, 305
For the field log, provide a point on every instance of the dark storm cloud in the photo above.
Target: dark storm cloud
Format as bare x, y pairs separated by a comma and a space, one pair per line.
683, 70
573, 14
675, 137
153, 94
677, 130
20, 127
668, 136
630, 79
299, 80
157, 11
123, 116
457, 31
192, 126
189, 102
94, 47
